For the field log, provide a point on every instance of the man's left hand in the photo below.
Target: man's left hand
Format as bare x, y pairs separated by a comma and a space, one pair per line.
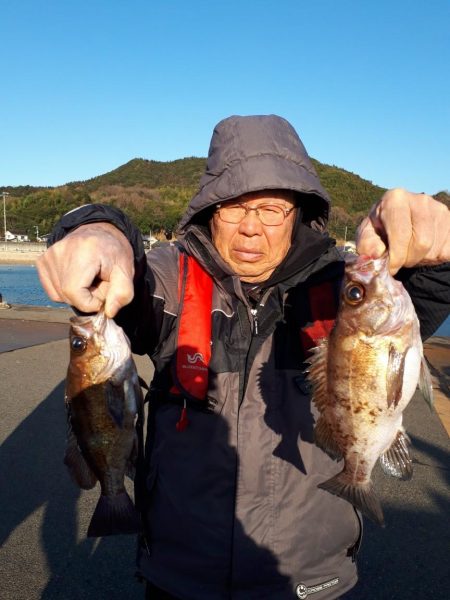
413, 228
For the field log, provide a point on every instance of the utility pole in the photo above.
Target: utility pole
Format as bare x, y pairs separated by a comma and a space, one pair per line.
4, 194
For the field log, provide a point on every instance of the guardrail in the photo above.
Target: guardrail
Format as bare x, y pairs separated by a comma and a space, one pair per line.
22, 246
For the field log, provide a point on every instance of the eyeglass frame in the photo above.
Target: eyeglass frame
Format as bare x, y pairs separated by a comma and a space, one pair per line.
285, 211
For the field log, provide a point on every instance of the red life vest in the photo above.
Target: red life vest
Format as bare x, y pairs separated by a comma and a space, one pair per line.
193, 347
321, 298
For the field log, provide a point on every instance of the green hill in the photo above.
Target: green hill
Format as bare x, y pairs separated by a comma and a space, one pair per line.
149, 173
155, 194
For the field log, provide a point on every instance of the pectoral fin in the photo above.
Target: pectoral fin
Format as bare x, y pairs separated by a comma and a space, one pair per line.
425, 384
115, 401
395, 372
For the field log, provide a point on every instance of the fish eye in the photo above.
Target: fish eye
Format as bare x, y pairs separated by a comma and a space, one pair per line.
354, 293
78, 344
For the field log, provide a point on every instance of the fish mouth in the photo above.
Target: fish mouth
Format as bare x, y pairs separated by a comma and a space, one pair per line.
87, 325
115, 346
363, 263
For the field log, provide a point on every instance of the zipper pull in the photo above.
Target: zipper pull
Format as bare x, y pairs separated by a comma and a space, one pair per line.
255, 320
183, 422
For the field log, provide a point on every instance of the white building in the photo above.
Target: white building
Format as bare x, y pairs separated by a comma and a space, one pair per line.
13, 237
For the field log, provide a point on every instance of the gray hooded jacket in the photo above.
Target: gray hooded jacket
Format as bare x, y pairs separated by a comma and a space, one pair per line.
233, 509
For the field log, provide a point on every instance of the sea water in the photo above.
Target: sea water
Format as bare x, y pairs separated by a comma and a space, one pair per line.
19, 284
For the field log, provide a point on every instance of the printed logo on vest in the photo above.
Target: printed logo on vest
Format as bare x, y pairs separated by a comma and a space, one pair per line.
194, 358
302, 591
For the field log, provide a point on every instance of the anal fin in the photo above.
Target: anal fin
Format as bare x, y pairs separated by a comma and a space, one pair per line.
132, 459
396, 461
78, 468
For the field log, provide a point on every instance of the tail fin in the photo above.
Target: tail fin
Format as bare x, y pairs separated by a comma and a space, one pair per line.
114, 515
362, 496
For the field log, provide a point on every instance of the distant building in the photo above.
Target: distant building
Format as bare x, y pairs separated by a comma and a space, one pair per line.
148, 240
16, 237
350, 247
43, 238
347, 248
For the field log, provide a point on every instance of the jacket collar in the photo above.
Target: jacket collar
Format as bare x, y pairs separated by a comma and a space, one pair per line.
309, 253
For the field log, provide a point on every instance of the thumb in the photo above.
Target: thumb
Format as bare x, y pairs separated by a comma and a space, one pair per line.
86, 301
120, 291
368, 241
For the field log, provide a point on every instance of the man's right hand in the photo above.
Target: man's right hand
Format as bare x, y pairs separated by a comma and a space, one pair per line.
93, 265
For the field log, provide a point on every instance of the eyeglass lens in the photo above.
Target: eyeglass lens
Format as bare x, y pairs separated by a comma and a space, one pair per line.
269, 214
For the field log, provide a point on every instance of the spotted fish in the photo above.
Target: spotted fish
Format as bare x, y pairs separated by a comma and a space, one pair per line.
103, 401
363, 378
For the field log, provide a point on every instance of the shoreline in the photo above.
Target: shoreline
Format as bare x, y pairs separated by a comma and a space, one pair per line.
10, 257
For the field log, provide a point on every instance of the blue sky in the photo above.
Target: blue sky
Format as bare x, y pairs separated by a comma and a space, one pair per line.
88, 85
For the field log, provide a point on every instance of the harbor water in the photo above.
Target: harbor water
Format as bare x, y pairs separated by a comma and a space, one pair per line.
19, 284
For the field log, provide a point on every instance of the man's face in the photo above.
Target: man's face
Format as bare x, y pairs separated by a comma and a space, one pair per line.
254, 250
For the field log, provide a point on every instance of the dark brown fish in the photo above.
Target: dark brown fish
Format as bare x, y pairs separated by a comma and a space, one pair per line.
363, 377
103, 400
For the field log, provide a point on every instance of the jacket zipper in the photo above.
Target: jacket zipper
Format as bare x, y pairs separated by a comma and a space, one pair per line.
254, 312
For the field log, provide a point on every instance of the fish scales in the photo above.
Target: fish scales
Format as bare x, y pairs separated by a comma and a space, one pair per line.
103, 401
363, 378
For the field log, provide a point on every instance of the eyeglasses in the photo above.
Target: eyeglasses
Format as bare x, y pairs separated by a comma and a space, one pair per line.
268, 214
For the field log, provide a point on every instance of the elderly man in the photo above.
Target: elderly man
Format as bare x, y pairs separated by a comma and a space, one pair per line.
230, 502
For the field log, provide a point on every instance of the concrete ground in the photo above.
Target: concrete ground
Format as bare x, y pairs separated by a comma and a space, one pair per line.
44, 552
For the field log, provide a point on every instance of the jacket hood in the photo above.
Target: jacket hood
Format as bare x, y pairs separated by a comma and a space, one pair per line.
254, 153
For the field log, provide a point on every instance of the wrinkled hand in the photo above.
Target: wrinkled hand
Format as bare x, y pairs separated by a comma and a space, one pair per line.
93, 265
413, 228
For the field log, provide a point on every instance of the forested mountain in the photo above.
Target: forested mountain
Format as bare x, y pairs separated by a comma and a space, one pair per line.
155, 194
